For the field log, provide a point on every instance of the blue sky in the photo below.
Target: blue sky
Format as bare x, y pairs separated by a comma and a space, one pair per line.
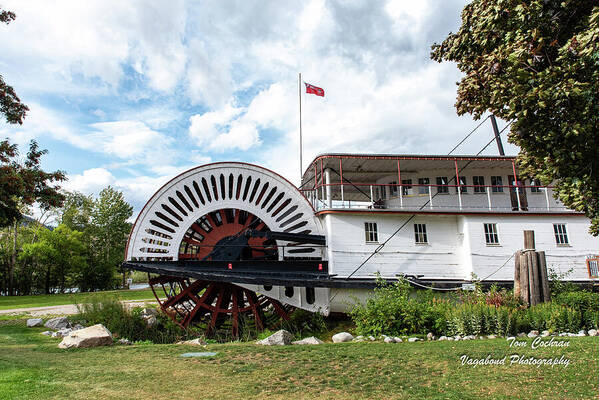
132, 93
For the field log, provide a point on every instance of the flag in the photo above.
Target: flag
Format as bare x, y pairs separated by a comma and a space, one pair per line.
314, 90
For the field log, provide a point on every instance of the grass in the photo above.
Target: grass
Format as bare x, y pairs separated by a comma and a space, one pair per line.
42, 300
32, 367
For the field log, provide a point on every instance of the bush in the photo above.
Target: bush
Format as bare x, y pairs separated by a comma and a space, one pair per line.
125, 323
585, 303
391, 311
478, 319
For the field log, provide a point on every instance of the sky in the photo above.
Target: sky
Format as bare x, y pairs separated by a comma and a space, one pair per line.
132, 93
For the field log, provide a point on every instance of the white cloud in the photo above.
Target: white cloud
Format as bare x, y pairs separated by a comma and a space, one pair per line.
90, 181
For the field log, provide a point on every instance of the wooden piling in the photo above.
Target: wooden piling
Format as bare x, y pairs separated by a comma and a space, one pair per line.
517, 274
544, 276
529, 240
533, 278
524, 290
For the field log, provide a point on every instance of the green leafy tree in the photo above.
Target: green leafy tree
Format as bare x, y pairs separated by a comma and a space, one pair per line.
536, 63
10, 104
58, 255
109, 217
21, 182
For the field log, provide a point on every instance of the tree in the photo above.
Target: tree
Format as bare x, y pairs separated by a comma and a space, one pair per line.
59, 255
109, 217
536, 63
10, 104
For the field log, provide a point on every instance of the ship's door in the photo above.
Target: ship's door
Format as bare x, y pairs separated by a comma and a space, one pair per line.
514, 194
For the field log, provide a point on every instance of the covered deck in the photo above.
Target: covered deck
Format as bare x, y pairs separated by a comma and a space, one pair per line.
424, 183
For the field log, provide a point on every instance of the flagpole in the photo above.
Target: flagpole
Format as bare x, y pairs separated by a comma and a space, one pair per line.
300, 124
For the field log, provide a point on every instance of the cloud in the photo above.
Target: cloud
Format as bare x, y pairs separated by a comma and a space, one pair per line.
90, 181
224, 129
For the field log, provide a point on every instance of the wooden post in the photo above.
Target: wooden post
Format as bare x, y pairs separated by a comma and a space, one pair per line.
529, 240
544, 276
517, 274
524, 279
533, 278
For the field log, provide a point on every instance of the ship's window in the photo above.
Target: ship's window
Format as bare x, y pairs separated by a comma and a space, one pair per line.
420, 234
289, 291
497, 183
491, 236
442, 184
310, 295
479, 184
425, 182
393, 188
561, 235
593, 265
535, 186
463, 188
406, 187
371, 232
268, 288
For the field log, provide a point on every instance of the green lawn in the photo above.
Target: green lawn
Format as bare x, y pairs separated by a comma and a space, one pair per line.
32, 367
10, 302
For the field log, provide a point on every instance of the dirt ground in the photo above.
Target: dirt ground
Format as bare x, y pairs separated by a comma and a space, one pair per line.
66, 309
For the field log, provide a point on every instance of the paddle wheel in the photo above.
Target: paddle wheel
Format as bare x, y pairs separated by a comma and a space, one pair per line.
228, 242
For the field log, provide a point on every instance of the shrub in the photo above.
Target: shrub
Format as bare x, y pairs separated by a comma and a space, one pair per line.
122, 322
585, 303
477, 319
391, 311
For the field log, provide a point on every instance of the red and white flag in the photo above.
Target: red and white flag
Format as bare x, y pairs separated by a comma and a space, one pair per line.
314, 90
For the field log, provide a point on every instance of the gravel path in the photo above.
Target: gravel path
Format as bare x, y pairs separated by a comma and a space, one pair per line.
66, 309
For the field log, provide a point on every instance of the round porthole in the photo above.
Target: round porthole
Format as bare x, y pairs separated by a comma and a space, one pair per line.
268, 288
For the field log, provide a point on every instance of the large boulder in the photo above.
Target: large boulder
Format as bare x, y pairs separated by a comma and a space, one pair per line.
279, 338
343, 337
96, 335
309, 340
58, 323
31, 322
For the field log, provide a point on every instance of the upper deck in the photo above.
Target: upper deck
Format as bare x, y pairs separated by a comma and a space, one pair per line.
425, 183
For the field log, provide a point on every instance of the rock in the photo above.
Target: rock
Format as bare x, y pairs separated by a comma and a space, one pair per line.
47, 333
32, 322
572, 334
124, 341
58, 323
151, 320
457, 337
389, 340
77, 327
309, 340
96, 335
521, 334
581, 333
413, 339
442, 338
397, 339
194, 342
532, 334
563, 334
279, 338
62, 333
450, 338
359, 337
430, 336
545, 333
469, 337
371, 338
492, 337
344, 337
149, 311
593, 332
